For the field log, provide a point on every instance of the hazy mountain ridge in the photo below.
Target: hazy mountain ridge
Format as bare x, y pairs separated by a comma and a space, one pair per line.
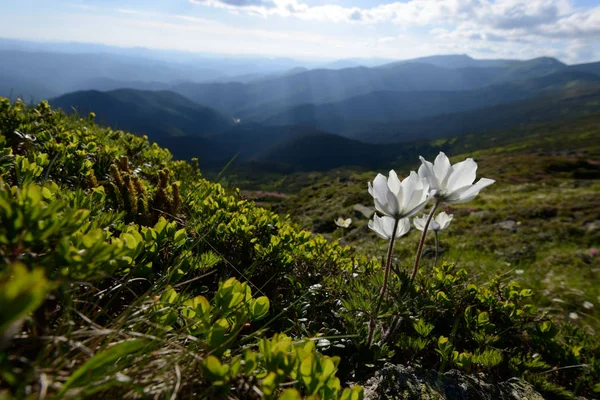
153, 113
190, 130
383, 106
287, 114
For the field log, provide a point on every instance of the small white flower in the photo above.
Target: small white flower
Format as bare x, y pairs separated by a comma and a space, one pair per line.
519, 272
573, 315
383, 226
439, 223
587, 305
452, 183
399, 199
343, 223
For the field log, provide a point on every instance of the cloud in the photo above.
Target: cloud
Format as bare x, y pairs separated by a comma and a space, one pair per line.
238, 3
495, 20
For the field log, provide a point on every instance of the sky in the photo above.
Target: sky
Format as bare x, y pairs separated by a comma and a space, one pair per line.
319, 30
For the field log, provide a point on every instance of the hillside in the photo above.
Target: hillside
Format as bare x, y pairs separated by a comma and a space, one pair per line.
540, 219
156, 114
161, 283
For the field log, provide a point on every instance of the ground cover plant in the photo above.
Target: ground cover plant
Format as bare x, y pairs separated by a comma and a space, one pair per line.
125, 274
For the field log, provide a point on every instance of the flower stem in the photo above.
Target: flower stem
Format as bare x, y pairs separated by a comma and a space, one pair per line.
422, 241
437, 249
388, 267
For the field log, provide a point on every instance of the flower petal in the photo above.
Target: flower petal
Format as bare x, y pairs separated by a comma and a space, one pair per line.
419, 222
442, 168
385, 200
469, 192
393, 182
463, 174
426, 172
409, 186
380, 187
403, 227
443, 220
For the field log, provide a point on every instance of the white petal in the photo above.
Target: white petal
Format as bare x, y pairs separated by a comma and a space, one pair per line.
419, 206
380, 187
387, 224
393, 182
468, 193
463, 174
385, 200
433, 225
403, 227
409, 186
376, 225
419, 222
426, 172
443, 220
442, 168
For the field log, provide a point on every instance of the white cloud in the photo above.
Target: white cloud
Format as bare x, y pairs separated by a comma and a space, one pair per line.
510, 18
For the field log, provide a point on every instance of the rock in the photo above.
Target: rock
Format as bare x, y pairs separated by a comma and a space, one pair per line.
399, 382
592, 226
509, 225
480, 215
363, 211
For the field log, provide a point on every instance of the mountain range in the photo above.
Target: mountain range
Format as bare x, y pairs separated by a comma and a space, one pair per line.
300, 117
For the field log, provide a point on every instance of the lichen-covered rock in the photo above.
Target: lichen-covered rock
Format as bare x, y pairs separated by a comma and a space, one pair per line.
406, 383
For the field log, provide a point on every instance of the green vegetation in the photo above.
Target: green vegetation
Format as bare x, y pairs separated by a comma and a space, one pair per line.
126, 274
538, 224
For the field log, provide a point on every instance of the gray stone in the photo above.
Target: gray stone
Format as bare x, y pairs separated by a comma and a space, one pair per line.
592, 226
363, 211
480, 215
397, 382
509, 225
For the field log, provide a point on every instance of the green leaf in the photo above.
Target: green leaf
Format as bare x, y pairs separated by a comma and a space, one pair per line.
21, 292
180, 236
96, 366
483, 319
355, 393
290, 394
260, 308
214, 370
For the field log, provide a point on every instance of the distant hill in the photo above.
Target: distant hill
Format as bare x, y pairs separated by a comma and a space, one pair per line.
65, 72
290, 148
593, 68
340, 117
156, 114
14, 85
257, 100
454, 61
569, 103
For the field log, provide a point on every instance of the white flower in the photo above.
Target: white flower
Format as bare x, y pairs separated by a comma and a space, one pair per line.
439, 223
383, 226
573, 315
587, 305
343, 223
399, 199
452, 183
